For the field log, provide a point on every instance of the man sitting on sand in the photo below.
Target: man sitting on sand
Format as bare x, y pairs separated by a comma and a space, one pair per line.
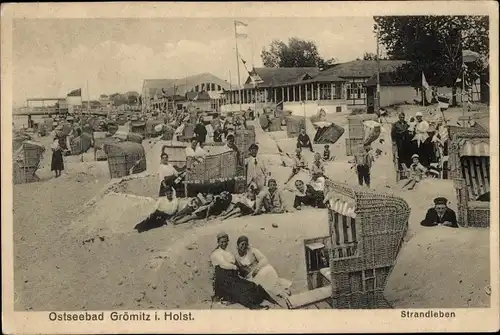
440, 214
166, 207
272, 202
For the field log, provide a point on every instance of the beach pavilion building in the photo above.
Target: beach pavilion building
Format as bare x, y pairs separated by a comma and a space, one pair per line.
304, 90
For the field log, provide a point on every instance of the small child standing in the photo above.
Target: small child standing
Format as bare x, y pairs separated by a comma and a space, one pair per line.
417, 171
364, 161
326, 153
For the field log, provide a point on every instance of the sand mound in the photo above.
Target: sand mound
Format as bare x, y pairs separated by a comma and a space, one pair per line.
442, 268
114, 213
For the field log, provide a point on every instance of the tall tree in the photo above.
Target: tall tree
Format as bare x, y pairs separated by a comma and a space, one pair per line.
434, 44
297, 53
369, 56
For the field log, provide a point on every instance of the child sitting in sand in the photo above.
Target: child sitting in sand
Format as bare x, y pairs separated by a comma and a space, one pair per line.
416, 173
299, 163
326, 154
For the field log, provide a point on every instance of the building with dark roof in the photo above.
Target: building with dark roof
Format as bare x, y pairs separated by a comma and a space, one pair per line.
157, 93
338, 87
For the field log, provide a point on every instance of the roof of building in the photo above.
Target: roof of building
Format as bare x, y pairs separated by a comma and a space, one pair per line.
361, 68
284, 75
388, 79
198, 95
182, 85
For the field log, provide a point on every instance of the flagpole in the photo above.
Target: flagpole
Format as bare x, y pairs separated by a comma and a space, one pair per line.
237, 64
230, 89
81, 119
463, 87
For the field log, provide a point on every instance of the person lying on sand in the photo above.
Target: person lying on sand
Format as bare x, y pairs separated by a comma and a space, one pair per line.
440, 214
241, 205
271, 201
166, 207
188, 210
197, 209
416, 171
306, 195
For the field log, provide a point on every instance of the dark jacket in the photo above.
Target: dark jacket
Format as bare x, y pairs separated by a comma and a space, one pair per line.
432, 218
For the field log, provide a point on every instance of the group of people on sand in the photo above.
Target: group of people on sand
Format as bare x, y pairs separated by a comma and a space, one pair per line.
246, 277
420, 147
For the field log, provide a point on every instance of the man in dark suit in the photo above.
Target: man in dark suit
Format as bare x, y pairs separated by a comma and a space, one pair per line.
440, 214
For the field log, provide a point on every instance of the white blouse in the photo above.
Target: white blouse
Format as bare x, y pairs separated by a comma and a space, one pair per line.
224, 259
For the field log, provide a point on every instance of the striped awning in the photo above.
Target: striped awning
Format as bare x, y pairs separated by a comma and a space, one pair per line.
475, 147
343, 207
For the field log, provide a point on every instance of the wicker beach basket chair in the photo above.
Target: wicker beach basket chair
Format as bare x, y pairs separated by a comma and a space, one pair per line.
367, 231
243, 138
125, 158
469, 163
293, 125
26, 161
213, 169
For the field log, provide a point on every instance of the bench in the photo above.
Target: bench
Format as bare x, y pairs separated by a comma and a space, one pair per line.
308, 298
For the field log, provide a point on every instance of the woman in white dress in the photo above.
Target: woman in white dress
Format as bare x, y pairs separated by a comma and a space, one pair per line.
255, 267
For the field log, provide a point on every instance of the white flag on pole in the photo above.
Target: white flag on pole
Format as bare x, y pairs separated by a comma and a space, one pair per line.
241, 29
425, 85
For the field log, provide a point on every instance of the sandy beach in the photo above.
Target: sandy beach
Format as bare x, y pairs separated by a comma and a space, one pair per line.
75, 246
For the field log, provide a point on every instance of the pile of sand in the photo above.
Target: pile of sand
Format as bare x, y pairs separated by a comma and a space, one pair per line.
442, 267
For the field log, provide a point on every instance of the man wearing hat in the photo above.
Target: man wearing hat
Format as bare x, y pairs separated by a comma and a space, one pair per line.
257, 173
399, 136
440, 214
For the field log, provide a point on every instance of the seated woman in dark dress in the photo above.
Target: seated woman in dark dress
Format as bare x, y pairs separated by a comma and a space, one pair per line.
228, 285
440, 214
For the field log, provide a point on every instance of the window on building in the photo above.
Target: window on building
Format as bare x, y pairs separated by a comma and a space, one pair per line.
361, 91
337, 91
212, 86
314, 89
308, 92
219, 88
325, 91
197, 88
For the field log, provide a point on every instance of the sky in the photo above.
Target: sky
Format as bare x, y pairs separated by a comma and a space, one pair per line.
51, 57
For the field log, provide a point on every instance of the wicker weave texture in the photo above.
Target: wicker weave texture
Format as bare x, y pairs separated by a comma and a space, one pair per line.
293, 125
243, 138
353, 146
23, 175
217, 166
370, 244
124, 156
